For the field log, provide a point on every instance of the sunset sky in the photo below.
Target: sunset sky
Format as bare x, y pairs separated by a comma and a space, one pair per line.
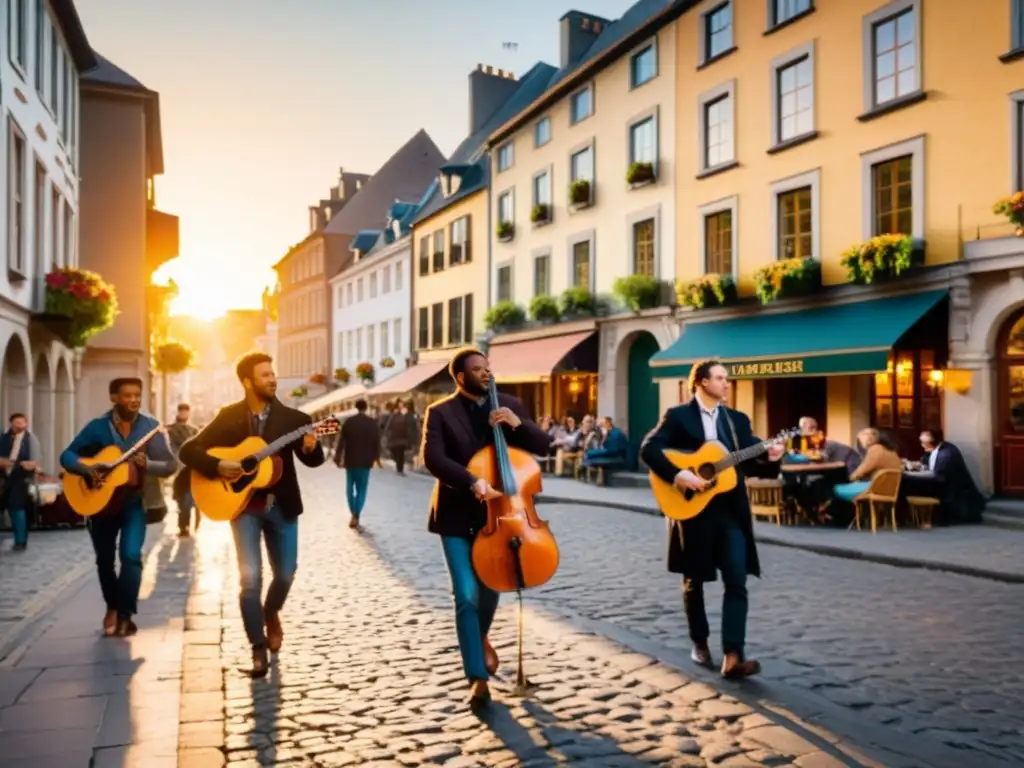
263, 100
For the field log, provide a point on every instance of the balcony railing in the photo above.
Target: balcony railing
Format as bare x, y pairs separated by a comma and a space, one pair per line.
161, 238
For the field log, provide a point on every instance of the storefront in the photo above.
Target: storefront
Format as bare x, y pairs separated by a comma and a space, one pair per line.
421, 384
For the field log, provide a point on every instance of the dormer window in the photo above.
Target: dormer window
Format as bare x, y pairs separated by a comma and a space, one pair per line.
396, 228
450, 183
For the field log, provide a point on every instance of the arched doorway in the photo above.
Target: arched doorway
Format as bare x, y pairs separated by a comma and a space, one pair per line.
41, 423
643, 395
63, 407
1010, 408
16, 383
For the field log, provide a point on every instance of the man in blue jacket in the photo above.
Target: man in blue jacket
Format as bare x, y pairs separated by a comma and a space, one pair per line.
123, 426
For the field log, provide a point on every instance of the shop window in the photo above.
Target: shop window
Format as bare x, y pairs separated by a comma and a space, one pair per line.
908, 397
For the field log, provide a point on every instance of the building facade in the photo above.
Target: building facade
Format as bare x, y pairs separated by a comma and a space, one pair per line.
803, 139
124, 237
583, 222
45, 53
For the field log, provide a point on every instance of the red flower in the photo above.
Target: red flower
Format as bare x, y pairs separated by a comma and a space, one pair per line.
57, 280
103, 296
80, 291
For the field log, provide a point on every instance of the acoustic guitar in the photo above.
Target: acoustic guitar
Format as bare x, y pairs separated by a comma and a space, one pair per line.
114, 473
714, 463
222, 499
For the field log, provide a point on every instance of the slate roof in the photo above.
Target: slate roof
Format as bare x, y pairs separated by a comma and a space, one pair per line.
403, 213
402, 177
468, 159
107, 72
71, 25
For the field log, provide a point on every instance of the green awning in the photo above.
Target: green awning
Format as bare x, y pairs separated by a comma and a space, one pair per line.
836, 340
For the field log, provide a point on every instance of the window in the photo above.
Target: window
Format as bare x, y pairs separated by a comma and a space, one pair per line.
1017, 25
892, 185
359, 289
373, 285
542, 275
643, 248
795, 224
717, 38
16, 200
717, 128
504, 283
385, 342
542, 190
396, 333
65, 98
718, 243
460, 241
423, 328
581, 165
437, 325
581, 276
38, 220
69, 237
455, 321
907, 400
1017, 139
40, 60
350, 346
340, 350
348, 293
54, 69
782, 11
467, 314
792, 87
891, 40
424, 256
385, 286
398, 276
506, 156
371, 346
643, 142
439, 250
542, 132
359, 344
581, 105
643, 66
506, 207
17, 29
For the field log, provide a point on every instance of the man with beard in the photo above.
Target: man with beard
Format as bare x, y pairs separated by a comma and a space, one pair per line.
456, 428
272, 514
122, 426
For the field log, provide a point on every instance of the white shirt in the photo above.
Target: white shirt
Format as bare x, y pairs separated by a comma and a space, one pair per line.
15, 449
933, 456
709, 418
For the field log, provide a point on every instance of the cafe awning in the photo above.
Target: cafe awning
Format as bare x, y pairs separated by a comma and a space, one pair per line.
844, 339
532, 360
409, 379
349, 392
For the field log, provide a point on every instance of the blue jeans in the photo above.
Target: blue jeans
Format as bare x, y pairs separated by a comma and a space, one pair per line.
357, 481
731, 557
475, 605
282, 539
19, 524
850, 491
120, 592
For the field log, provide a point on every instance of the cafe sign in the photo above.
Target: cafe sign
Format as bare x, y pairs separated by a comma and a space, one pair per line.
766, 368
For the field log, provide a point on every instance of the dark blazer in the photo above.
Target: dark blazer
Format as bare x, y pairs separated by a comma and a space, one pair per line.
960, 497
231, 426
359, 443
691, 542
448, 445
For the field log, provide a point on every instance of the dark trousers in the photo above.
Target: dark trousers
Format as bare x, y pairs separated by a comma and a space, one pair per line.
730, 552
398, 455
186, 506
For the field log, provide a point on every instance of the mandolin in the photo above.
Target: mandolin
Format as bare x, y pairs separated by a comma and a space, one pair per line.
114, 472
712, 462
221, 499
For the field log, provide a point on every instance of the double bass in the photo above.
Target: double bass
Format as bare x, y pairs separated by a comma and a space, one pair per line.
515, 550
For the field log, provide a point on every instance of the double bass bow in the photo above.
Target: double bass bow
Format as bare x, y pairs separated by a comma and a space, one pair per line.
515, 550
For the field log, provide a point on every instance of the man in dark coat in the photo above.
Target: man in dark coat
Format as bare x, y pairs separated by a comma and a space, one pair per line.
721, 538
400, 434
20, 454
962, 502
179, 433
358, 450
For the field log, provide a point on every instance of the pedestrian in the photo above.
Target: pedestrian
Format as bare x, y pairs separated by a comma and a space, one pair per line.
272, 514
358, 450
721, 538
456, 428
20, 457
180, 432
401, 435
120, 531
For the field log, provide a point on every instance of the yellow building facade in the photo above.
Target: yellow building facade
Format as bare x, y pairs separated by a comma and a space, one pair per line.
800, 136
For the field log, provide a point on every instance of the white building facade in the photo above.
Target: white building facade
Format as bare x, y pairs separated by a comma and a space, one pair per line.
45, 50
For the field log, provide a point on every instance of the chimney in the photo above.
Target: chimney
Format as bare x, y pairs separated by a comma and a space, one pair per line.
578, 33
488, 91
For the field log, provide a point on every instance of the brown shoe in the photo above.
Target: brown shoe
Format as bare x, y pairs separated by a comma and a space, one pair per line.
734, 668
126, 627
260, 663
700, 654
479, 695
110, 623
490, 657
353, 522
275, 634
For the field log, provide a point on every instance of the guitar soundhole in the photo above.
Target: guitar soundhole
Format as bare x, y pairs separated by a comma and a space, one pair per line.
242, 483
705, 472
250, 464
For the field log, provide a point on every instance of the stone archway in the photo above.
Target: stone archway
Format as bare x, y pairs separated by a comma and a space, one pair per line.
16, 395
42, 421
64, 413
638, 395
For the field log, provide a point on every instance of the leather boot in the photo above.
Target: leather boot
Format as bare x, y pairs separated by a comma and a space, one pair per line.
490, 657
260, 662
275, 633
735, 668
479, 695
125, 627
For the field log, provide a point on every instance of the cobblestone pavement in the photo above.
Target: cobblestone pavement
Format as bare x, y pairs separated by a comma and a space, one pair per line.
918, 652
370, 675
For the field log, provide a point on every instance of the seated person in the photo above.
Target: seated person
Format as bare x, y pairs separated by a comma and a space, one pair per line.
879, 453
834, 452
614, 447
962, 502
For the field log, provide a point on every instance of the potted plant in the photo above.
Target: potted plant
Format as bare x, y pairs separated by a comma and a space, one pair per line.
299, 392
365, 372
79, 303
578, 302
540, 213
707, 291
504, 315
342, 375
787, 278
1012, 208
544, 309
638, 291
506, 231
318, 378
580, 193
879, 258
640, 174
387, 362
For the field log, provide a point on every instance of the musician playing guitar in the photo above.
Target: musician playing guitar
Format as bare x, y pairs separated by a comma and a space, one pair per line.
272, 514
455, 429
122, 426
721, 538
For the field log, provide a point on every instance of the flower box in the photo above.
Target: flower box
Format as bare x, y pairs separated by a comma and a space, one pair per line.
880, 258
640, 174
540, 214
707, 291
342, 375
504, 316
638, 292
387, 362
580, 194
505, 231
365, 372
787, 279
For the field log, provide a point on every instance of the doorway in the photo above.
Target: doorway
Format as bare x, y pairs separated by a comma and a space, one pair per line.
791, 399
1010, 408
643, 403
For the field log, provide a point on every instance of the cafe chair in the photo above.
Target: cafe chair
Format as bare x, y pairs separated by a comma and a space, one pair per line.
765, 499
921, 508
883, 491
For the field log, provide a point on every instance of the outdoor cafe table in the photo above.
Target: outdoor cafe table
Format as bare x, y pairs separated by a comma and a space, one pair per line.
795, 477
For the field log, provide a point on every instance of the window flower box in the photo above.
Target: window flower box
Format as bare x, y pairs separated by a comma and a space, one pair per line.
387, 362
299, 392
544, 310
506, 231
880, 258
505, 315
640, 175
708, 291
638, 292
580, 194
578, 302
540, 214
365, 372
342, 375
787, 279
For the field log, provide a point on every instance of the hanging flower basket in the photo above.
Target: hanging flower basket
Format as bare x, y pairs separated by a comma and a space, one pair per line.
1012, 208
318, 378
85, 302
365, 372
387, 362
299, 392
342, 375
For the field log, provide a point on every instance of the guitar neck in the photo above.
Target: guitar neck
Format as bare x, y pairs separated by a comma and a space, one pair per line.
738, 457
284, 441
138, 446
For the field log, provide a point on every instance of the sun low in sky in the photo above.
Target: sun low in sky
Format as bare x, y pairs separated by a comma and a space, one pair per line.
208, 289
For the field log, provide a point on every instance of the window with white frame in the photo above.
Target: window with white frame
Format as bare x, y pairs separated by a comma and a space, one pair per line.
581, 105
373, 285
542, 190
581, 255
40, 56
455, 309
643, 66
460, 247
371, 343
643, 247
796, 212
717, 127
385, 282
385, 340
16, 191
718, 236
398, 276
359, 289
782, 11
359, 344
348, 293
340, 349
438, 250
892, 51
892, 189
643, 142
396, 334
717, 32
542, 132
506, 156
17, 32
339, 297
69, 237
504, 283
794, 99
506, 208
350, 346
581, 165
54, 94
542, 274
38, 219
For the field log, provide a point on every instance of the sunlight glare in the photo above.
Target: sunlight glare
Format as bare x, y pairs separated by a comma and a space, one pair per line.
207, 292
